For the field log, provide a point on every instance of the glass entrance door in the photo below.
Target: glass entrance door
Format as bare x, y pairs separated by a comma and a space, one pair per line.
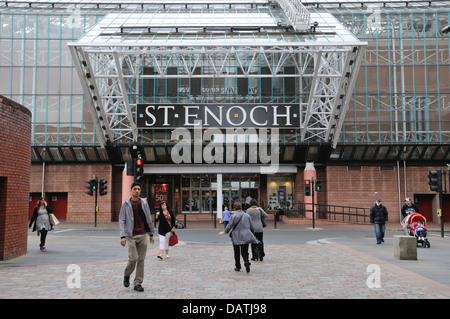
190, 201
240, 188
196, 201
206, 201
197, 194
186, 202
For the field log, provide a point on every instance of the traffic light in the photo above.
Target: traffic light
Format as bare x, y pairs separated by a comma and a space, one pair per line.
307, 187
131, 167
139, 170
92, 187
102, 187
435, 180
318, 185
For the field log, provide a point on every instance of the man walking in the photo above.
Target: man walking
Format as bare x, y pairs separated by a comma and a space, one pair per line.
379, 217
135, 222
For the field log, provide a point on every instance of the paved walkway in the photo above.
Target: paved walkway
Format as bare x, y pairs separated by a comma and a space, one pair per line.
317, 269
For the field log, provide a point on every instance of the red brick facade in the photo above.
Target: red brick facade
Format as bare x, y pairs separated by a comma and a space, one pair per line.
360, 186
71, 179
356, 186
15, 159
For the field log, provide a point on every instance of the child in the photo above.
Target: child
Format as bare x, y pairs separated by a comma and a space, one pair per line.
420, 230
226, 217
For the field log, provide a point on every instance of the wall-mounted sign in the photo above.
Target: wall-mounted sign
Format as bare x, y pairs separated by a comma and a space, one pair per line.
218, 115
161, 192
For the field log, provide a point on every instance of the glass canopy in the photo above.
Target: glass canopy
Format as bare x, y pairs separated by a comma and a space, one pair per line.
233, 40
399, 105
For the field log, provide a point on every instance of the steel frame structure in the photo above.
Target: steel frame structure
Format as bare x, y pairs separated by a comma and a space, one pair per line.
111, 74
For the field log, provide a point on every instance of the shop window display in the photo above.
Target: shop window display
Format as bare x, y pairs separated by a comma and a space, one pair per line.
280, 192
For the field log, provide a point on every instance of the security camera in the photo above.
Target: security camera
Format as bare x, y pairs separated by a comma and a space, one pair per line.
445, 29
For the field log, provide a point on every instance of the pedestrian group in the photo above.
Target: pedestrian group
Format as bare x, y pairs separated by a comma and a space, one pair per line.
244, 228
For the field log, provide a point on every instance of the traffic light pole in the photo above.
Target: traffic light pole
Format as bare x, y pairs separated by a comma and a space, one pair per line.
443, 189
442, 215
313, 205
96, 208
437, 180
310, 190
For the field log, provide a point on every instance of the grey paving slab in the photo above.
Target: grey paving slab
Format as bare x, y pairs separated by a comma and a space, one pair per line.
341, 264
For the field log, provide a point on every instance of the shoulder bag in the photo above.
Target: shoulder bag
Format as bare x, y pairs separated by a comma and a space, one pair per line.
235, 226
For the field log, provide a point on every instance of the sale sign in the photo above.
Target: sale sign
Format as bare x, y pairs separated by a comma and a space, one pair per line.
161, 194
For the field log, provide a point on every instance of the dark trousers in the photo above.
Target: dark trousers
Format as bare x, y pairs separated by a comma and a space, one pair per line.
43, 233
258, 249
240, 250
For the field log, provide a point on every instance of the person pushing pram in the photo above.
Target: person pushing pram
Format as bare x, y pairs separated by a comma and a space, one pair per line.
409, 208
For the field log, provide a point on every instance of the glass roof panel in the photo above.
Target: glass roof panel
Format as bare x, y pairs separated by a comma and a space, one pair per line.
228, 27
352, 5
372, 3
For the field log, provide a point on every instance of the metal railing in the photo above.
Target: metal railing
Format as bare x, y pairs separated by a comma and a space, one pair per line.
337, 213
332, 213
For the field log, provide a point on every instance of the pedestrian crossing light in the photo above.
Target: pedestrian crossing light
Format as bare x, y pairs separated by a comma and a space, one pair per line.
307, 187
92, 187
435, 180
102, 187
318, 185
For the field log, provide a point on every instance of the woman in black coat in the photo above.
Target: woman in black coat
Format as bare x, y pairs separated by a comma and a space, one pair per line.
41, 221
166, 228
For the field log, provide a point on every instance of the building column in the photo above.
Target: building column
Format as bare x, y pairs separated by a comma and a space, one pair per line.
309, 173
126, 184
219, 196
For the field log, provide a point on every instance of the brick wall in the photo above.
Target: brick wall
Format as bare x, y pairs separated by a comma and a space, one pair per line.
360, 186
15, 158
71, 179
342, 185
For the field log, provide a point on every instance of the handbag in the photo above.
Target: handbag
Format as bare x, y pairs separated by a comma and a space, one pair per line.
173, 240
53, 220
263, 221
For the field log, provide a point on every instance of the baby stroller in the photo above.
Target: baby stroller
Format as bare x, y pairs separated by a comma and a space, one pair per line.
415, 225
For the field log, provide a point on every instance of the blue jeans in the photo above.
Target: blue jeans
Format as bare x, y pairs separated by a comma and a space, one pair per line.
379, 232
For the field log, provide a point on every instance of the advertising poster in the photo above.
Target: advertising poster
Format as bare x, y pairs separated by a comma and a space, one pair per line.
161, 192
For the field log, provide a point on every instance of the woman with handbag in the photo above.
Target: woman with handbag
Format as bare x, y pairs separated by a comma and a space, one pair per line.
166, 228
258, 215
241, 227
41, 221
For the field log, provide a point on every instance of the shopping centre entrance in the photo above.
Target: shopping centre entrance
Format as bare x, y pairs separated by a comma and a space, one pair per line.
199, 193
204, 189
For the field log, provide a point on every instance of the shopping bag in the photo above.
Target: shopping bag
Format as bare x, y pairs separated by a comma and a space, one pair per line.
173, 240
53, 220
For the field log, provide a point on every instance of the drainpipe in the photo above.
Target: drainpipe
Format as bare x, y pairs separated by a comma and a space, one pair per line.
219, 197
399, 192
43, 179
404, 177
